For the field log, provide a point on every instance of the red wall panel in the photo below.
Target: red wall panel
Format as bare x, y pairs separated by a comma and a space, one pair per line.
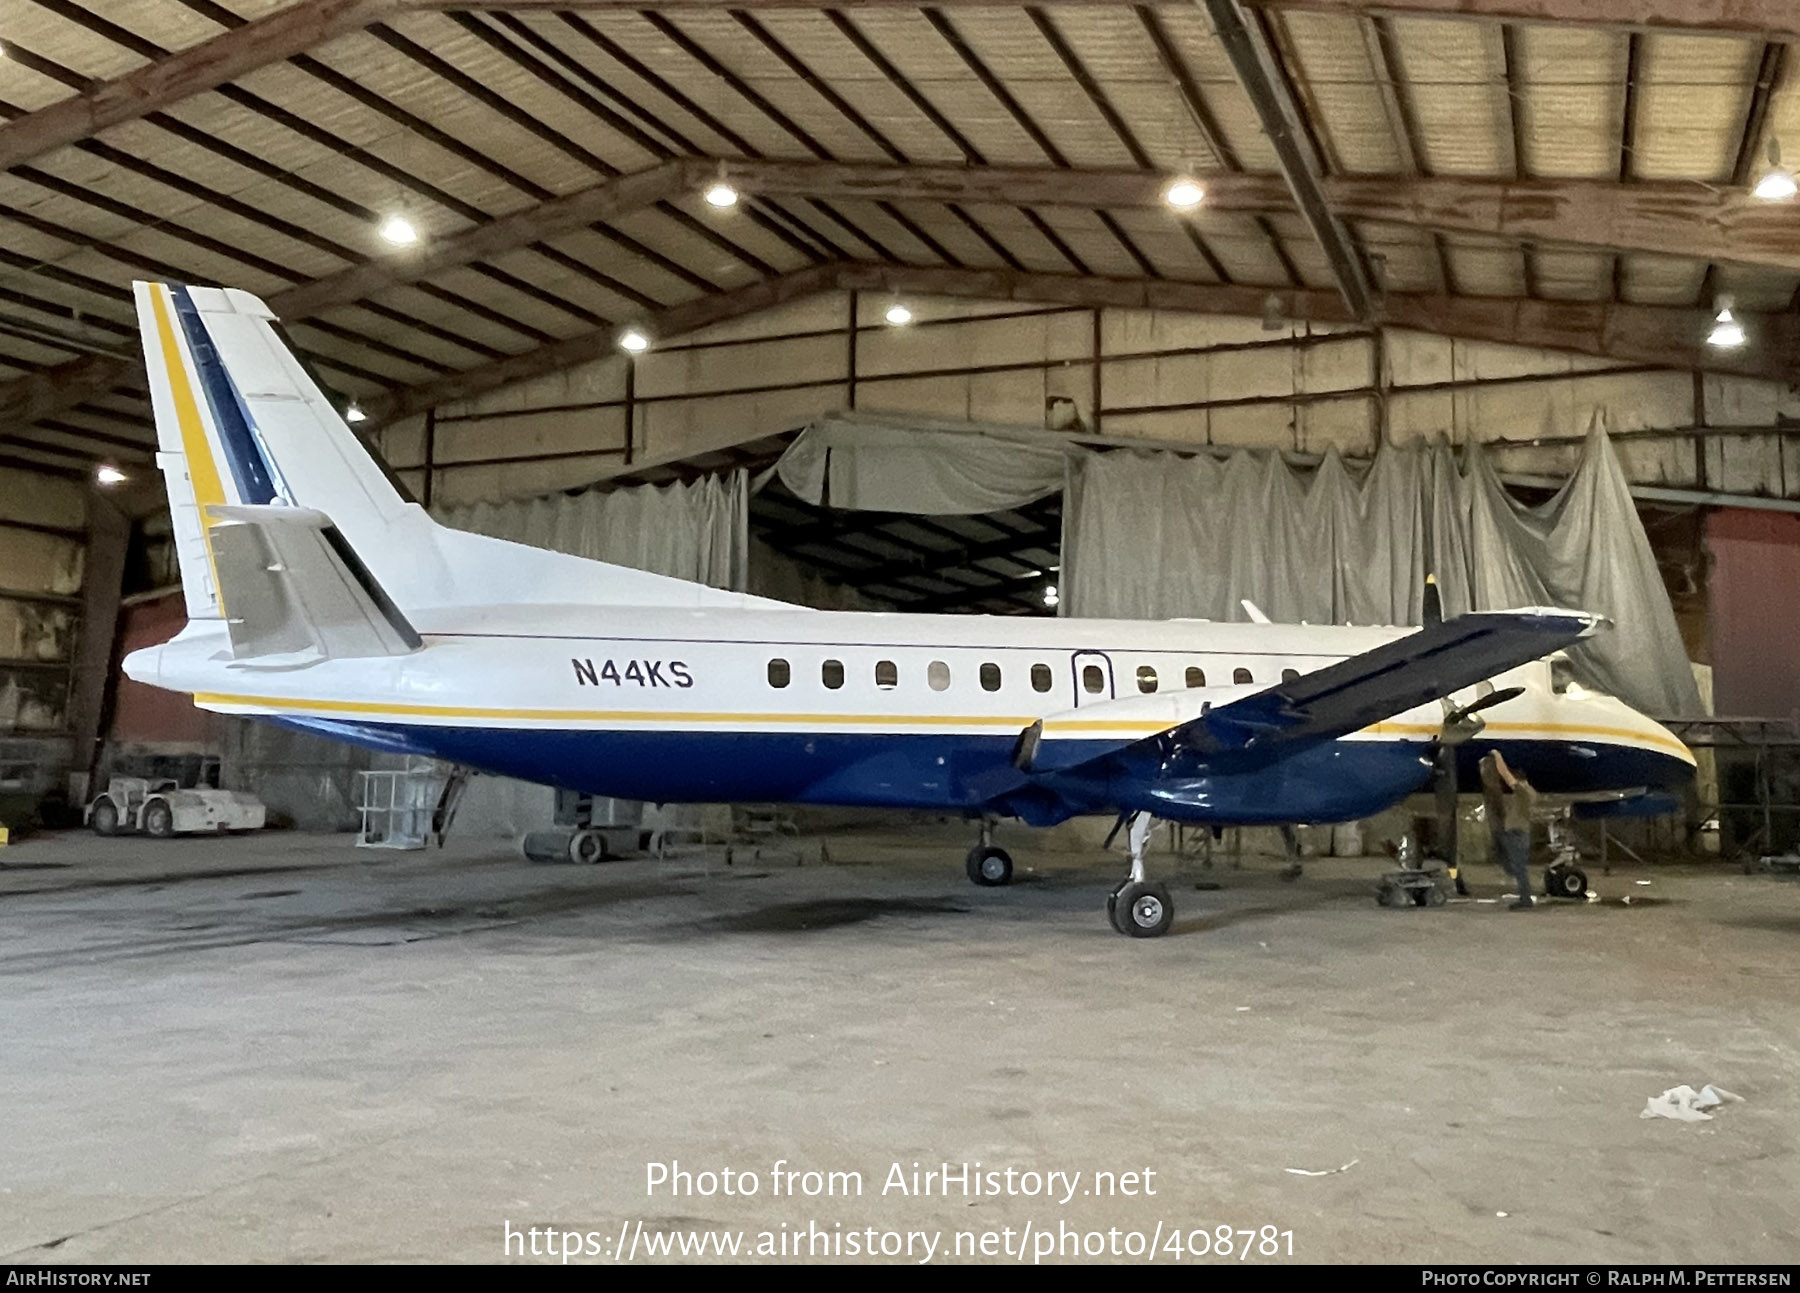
150, 714
1754, 590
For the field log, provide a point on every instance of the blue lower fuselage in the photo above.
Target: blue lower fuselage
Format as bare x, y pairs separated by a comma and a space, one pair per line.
1339, 780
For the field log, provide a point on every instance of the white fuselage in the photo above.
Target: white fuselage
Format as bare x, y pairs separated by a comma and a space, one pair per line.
697, 705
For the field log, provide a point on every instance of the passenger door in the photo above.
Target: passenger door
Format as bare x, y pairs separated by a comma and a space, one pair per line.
1093, 678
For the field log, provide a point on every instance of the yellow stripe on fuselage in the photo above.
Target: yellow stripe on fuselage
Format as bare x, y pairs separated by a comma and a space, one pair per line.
381, 710
203, 472
384, 709
1629, 735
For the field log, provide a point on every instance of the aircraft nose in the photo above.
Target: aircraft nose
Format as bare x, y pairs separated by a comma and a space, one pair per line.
1671, 763
1676, 745
1661, 737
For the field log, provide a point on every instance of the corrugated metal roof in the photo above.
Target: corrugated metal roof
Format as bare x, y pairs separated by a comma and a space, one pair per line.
453, 119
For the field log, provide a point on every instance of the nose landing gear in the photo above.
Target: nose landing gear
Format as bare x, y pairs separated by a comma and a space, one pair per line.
1140, 908
1564, 878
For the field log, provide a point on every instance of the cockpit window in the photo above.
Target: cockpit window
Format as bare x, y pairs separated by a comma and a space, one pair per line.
1561, 675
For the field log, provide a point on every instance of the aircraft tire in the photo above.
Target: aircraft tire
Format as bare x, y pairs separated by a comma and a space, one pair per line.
988, 866
1143, 910
1112, 907
587, 848
159, 820
1565, 882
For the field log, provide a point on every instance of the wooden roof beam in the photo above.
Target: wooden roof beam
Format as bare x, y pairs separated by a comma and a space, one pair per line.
1773, 20
311, 23
1675, 219
1692, 220
577, 210
202, 67
54, 391
1699, 221
689, 316
1257, 66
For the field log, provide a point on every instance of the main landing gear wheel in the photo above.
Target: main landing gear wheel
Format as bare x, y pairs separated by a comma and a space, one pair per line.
988, 866
1565, 882
1140, 909
587, 848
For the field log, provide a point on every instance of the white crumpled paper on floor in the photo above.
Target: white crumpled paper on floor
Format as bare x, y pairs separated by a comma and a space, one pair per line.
1684, 1104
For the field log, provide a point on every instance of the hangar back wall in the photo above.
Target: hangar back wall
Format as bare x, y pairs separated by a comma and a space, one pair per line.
1164, 376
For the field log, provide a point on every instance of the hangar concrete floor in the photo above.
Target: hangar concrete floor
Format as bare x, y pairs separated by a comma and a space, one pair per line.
280, 1048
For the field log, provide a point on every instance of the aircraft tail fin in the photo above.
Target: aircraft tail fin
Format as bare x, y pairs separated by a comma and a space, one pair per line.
240, 422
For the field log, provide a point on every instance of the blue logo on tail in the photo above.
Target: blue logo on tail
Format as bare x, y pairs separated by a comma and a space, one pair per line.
251, 466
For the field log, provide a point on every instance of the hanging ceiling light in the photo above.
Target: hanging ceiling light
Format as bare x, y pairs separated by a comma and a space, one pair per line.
898, 316
399, 231
1777, 183
1727, 333
1272, 320
107, 474
1185, 194
354, 413
721, 195
633, 341
1051, 596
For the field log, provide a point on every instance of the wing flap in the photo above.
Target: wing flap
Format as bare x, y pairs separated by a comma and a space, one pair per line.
1394, 677
1361, 690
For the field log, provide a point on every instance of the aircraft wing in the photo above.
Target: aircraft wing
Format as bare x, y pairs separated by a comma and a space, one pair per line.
1341, 698
294, 592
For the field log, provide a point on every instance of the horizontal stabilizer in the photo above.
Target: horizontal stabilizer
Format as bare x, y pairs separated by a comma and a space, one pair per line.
294, 593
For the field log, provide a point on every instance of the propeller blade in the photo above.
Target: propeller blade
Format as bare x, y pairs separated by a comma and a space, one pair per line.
1432, 612
1485, 702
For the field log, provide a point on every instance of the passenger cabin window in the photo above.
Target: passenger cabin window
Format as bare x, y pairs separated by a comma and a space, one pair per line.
779, 673
832, 674
1196, 677
1040, 677
1290, 675
1146, 676
990, 677
1093, 679
938, 676
1241, 675
887, 675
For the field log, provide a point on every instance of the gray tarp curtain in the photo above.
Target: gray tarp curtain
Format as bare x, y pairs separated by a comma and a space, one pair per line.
1584, 547
1159, 535
926, 466
697, 531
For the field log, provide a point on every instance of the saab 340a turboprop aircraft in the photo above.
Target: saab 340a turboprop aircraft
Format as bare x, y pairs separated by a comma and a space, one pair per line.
320, 597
